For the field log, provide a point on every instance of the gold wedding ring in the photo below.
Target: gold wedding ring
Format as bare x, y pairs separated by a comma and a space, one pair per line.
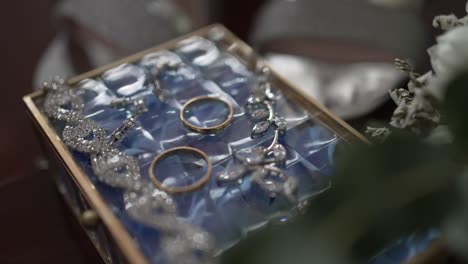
182, 189
212, 129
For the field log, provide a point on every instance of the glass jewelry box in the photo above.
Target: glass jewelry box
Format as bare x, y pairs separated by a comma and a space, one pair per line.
176, 153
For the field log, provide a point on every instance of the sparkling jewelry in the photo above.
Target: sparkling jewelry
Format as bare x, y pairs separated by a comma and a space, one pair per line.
263, 163
159, 90
116, 169
206, 130
119, 134
260, 106
181, 242
122, 102
75, 136
61, 103
184, 189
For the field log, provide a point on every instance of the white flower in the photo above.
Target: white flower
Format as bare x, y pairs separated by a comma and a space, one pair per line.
378, 134
451, 52
400, 94
449, 22
423, 80
413, 112
399, 119
449, 58
446, 22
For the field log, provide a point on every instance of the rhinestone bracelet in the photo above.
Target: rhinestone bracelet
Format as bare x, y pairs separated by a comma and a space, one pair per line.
181, 242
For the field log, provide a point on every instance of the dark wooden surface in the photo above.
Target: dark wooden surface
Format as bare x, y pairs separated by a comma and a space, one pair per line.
35, 226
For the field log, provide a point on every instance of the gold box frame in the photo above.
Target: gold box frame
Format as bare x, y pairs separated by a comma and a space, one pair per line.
117, 232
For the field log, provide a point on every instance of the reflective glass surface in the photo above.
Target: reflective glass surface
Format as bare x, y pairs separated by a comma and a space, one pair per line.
227, 210
403, 249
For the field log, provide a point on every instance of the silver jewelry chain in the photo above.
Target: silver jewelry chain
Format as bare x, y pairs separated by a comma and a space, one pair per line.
181, 242
263, 163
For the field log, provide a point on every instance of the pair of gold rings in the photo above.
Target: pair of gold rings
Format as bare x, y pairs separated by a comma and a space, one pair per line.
200, 129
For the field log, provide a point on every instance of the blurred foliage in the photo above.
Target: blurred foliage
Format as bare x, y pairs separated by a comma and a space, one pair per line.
456, 110
380, 193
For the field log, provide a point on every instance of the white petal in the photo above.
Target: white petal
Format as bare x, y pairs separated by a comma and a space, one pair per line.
451, 53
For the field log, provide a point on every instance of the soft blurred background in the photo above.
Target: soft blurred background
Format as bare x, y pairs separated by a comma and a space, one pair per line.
340, 51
